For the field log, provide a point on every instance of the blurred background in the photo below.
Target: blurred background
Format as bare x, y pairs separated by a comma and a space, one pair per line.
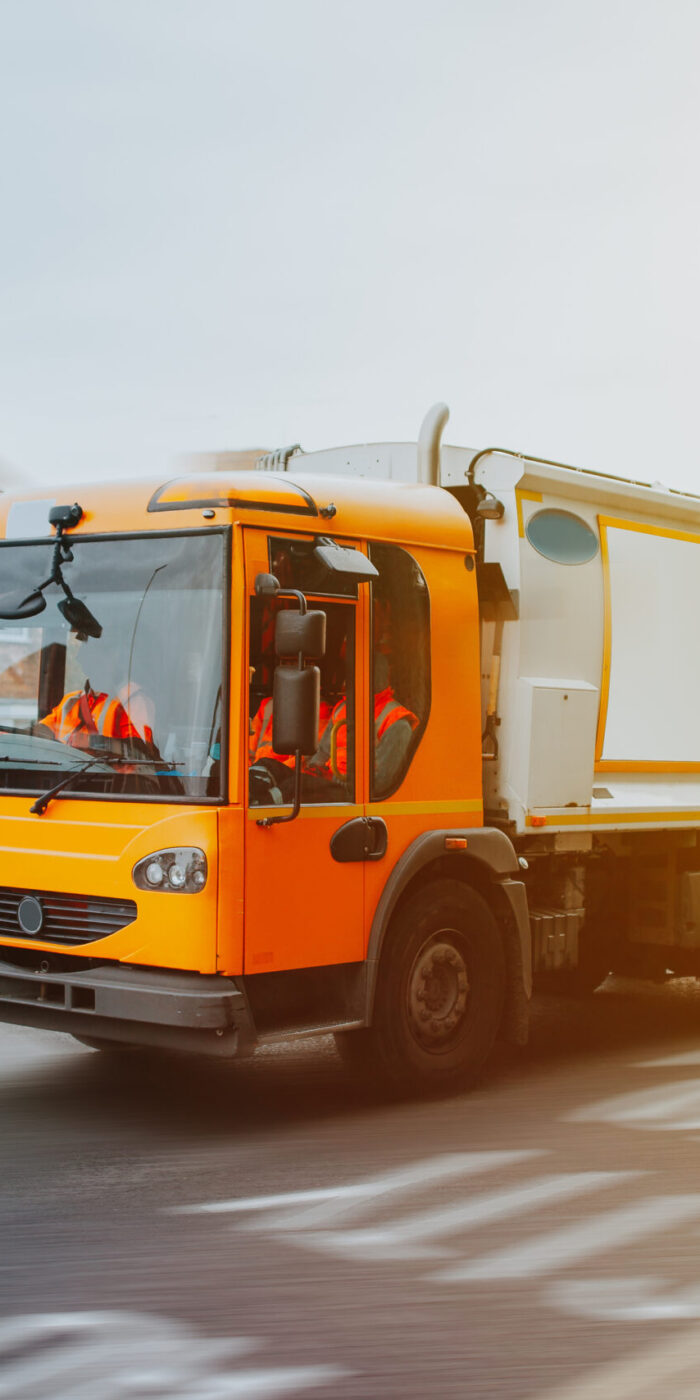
231, 226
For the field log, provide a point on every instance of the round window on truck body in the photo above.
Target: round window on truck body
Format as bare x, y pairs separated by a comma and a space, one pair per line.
561, 536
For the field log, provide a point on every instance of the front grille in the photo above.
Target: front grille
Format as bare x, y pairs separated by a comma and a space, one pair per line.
68, 918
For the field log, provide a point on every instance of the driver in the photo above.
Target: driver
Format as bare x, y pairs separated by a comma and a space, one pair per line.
260, 742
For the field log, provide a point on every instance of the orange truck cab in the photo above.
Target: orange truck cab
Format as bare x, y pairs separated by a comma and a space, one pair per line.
241, 773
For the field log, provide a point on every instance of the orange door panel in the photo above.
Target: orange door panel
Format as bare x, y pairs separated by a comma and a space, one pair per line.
303, 908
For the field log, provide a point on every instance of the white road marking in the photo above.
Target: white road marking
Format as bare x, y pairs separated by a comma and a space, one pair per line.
126, 1356
267, 1385
415, 1237
625, 1299
558, 1249
318, 1219
690, 1057
670, 1368
335, 1200
667, 1106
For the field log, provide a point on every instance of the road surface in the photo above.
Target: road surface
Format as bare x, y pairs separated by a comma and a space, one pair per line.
171, 1228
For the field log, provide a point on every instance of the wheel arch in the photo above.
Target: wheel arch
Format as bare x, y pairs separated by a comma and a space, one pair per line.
488, 865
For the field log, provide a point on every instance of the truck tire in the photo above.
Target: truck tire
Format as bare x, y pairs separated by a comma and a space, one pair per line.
440, 991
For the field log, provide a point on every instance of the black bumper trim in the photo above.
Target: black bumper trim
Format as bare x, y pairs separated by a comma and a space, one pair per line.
129, 1004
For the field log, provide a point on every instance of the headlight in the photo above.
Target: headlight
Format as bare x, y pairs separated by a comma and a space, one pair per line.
180, 871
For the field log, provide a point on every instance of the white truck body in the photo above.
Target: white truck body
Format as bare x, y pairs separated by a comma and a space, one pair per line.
589, 591
597, 694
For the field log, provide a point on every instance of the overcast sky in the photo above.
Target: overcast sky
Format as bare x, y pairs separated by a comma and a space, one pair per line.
228, 225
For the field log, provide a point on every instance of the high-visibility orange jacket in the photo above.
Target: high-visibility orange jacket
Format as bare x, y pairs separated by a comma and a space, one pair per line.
387, 710
83, 713
139, 708
260, 743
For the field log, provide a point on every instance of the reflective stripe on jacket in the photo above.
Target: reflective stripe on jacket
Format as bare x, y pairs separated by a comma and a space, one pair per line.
260, 745
86, 712
387, 710
260, 742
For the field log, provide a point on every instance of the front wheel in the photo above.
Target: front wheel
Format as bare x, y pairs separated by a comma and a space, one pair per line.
440, 990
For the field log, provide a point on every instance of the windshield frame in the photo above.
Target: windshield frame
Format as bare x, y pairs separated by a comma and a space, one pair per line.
162, 799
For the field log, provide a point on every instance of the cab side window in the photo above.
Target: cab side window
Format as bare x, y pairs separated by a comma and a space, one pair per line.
328, 775
400, 666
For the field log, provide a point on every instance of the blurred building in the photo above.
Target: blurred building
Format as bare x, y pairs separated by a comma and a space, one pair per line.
10, 477
243, 460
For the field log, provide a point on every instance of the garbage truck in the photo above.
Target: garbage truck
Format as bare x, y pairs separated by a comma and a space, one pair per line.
359, 742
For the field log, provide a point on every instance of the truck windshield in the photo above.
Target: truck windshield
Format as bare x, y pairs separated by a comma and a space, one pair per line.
145, 694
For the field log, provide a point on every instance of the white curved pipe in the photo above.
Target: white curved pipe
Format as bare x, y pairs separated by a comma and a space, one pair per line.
429, 444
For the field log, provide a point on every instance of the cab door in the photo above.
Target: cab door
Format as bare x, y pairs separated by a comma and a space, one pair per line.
304, 907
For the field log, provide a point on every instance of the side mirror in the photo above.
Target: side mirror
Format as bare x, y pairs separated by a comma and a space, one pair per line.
14, 608
79, 618
266, 586
348, 563
296, 697
490, 508
298, 633
62, 517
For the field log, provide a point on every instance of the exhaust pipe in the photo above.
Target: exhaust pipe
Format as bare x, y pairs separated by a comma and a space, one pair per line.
429, 444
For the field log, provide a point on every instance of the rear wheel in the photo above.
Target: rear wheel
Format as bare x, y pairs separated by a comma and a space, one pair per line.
439, 993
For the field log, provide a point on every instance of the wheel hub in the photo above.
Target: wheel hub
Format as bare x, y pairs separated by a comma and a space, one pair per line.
438, 991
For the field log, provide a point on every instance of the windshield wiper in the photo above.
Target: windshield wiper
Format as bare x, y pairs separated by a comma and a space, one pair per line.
28, 762
42, 802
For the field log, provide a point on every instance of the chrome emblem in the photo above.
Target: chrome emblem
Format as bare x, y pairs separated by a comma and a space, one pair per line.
30, 915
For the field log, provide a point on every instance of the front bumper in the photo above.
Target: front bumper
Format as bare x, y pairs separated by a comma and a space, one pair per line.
206, 1015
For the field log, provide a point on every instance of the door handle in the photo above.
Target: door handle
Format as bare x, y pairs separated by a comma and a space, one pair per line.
363, 838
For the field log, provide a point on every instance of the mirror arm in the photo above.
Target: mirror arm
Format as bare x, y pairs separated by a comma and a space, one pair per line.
294, 593
61, 550
275, 821
60, 518
296, 806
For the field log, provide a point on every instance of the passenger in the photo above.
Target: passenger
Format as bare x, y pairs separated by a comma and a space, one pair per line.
140, 709
81, 714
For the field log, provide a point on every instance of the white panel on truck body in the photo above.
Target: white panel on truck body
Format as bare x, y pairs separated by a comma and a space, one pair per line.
552, 757
654, 689
384, 461
623, 623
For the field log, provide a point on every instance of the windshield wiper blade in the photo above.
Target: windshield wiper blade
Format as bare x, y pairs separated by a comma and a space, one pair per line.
28, 762
42, 802
109, 759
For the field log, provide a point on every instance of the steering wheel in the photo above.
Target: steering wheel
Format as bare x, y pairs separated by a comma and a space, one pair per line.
263, 785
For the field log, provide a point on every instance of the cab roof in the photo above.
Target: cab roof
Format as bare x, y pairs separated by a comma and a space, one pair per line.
338, 506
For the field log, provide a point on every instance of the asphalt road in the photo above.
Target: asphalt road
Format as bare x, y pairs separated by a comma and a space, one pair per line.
170, 1228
